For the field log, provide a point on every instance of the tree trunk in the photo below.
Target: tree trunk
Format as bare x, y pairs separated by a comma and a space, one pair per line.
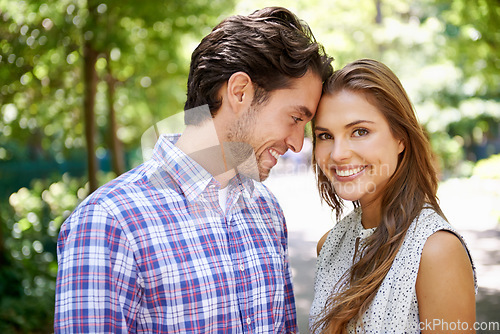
115, 145
378, 20
378, 17
90, 77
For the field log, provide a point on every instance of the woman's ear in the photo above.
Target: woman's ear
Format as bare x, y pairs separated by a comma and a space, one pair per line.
240, 91
401, 146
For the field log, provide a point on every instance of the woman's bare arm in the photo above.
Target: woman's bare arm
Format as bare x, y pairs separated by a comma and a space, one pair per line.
445, 286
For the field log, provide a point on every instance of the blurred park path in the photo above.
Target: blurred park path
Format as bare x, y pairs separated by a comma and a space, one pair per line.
469, 205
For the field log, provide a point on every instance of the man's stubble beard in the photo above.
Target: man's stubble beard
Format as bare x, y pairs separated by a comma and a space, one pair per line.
240, 147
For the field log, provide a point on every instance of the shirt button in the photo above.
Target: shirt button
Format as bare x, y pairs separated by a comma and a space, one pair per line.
249, 321
242, 267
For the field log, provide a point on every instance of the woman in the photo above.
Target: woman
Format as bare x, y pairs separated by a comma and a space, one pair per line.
394, 264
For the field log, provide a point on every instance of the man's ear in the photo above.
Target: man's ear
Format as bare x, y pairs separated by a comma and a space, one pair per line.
240, 91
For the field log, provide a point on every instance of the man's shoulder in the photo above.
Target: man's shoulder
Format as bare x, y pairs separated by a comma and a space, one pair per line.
128, 199
123, 185
263, 192
266, 200
132, 189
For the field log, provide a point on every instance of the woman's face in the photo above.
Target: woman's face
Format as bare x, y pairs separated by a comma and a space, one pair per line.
354, 148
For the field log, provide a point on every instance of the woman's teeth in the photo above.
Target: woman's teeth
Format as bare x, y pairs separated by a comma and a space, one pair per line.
349, 172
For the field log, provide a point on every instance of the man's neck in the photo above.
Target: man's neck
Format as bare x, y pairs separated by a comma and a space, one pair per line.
202, 144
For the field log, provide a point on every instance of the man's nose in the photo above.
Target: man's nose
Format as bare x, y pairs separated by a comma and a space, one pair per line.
296, 140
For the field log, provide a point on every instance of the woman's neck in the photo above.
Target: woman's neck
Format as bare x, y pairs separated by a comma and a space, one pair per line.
371, 215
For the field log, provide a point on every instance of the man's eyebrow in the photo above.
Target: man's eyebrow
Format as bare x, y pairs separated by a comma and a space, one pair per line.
304, 111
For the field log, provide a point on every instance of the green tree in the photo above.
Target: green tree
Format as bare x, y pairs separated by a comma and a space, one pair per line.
473, 31
56, 55
128, 62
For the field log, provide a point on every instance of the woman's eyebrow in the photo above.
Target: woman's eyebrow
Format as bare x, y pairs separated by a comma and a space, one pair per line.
358, 122
319, 128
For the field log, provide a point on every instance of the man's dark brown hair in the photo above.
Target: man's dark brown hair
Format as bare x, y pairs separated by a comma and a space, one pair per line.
271, 45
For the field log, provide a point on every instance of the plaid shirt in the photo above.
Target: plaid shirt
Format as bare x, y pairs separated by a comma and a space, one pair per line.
153, 252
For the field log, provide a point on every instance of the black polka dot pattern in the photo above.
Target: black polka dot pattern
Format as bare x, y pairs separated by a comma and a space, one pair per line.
394, 308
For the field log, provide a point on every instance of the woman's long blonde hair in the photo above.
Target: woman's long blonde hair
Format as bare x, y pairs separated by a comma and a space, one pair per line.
412, 186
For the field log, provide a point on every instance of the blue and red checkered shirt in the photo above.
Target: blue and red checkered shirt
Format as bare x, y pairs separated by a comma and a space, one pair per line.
153, 252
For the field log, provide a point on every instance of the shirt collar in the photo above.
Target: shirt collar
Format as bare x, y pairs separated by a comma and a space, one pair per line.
192, 178
362, 232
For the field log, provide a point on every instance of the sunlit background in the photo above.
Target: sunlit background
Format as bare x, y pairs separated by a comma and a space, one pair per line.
81, 80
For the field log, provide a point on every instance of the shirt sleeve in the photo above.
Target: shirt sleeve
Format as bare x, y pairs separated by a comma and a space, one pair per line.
290, 311
97, 286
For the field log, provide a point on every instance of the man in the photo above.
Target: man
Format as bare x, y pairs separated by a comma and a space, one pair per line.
189, 242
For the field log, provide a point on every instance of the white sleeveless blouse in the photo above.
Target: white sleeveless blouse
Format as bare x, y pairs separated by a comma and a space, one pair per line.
394, 308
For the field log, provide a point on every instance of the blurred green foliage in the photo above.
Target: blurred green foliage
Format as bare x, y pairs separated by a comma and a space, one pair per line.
30, 225
488, 168
445, 53
145, 46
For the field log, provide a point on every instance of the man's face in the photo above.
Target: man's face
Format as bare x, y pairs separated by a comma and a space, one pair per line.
278, 124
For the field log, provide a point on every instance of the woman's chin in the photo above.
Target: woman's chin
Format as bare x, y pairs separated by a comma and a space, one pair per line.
348, 196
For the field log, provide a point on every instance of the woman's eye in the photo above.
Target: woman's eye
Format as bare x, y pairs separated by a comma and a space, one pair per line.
323, 136
360, 132
296, 119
